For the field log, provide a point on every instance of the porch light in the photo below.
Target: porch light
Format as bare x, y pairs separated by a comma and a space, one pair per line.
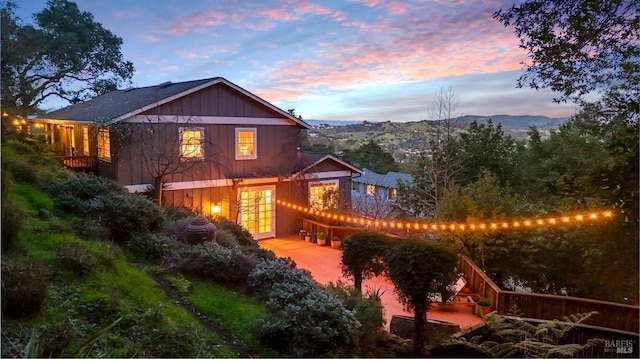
215, 209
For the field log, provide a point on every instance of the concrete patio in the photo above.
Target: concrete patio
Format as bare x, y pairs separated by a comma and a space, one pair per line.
324, 263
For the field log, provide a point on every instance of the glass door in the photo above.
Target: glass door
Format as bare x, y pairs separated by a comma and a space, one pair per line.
257, 211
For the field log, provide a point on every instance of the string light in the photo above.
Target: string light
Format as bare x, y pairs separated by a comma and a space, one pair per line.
417, 226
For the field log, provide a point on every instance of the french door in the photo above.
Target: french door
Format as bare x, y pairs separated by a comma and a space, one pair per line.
257, 211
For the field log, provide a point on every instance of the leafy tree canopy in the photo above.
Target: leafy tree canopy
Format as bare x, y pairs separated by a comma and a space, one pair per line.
362, 255
63, 53
370, 155
578, 46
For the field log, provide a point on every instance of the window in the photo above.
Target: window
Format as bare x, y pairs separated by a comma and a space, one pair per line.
322, 195
246, 144
191, 143
85, 140
104, 144
393, 194
371, 189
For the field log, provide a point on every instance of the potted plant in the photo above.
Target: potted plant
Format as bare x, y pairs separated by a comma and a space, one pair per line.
483, 306
303, 234
322, 239
307, 236
335, 242
314, 238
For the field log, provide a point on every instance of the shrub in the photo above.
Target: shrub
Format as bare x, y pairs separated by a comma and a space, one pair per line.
214, 262
303, 320
108, 202
152, 246
13, 220
242, 235
24, 287
76, 257
226, 239
175, 227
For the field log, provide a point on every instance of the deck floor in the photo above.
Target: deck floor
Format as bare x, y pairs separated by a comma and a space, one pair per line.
324, 263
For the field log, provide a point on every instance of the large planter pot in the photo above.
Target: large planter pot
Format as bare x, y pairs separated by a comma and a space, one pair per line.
335, 244
321, 241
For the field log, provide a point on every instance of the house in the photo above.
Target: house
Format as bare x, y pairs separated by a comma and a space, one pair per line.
375, 195
208, 145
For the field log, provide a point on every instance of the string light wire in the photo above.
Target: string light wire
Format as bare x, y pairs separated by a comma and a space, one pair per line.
519, 224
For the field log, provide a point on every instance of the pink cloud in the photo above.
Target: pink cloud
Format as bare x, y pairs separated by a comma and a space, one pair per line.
197, 21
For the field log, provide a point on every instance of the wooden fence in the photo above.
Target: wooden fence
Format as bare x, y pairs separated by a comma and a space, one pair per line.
548, 307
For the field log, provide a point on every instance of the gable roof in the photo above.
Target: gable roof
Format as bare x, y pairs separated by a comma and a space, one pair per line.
389, 180
121, 104
312, 159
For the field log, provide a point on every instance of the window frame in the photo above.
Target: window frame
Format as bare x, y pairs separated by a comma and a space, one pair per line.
181, 131
252, 156
103, 151
85, 140
320, 205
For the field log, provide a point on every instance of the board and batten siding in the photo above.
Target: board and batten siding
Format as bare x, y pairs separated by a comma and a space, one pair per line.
216, 100
276, 150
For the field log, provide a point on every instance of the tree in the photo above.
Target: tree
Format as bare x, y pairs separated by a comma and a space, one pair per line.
578, 46
64, 54
420, 270
435, 168
362, 255
485, 148
370, 155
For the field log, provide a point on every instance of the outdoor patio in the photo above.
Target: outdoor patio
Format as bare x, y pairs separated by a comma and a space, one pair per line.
324, 263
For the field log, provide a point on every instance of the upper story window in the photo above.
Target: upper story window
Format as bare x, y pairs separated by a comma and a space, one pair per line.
191, 140
322, 194
104, 144
246, 146
85, 140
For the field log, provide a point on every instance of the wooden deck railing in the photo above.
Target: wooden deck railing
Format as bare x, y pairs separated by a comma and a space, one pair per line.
548, 307
611, 316
77, 162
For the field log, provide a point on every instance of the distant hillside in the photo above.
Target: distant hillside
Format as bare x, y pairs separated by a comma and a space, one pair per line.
405, 139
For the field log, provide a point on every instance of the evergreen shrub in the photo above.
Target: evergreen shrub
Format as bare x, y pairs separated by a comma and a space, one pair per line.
24, 287
303, 319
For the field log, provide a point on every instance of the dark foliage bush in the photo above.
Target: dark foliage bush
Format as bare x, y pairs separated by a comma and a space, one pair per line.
303, 319
76, 258
153, 246
242, 235
13, 220
109, 203
368, 311
215, 262
226, 239
24, 287
175, 227
126, 214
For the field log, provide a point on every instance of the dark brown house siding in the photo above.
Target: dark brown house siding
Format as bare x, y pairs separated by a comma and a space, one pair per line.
216, 100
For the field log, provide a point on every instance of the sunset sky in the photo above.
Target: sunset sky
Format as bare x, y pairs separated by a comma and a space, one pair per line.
351, 60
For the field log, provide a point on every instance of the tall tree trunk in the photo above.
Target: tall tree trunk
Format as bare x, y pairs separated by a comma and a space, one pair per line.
419, 321
157, 190
357, 279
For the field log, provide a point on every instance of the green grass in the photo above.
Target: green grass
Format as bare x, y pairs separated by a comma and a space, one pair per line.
231, 311
151, 324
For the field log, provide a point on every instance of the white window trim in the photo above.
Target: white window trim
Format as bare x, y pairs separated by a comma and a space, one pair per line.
325, 182
187, 158
255, 143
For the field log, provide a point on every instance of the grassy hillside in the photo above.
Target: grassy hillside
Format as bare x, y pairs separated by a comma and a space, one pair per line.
88, 285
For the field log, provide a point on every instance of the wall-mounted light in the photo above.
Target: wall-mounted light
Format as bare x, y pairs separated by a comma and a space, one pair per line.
215, 209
